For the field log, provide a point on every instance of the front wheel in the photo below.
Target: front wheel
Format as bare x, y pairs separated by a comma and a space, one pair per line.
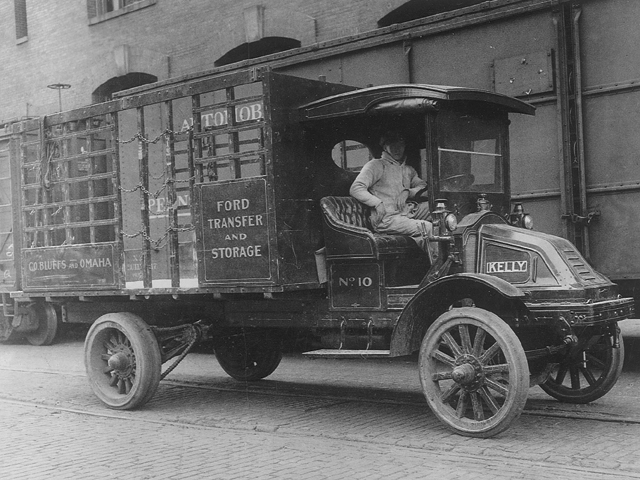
249, 356
588, 371
122, 360
474, 372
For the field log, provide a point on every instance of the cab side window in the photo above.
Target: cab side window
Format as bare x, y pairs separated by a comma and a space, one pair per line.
350, 155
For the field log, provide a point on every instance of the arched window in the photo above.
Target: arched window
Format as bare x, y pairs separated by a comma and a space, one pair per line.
116, 84
259, 48
350, 155
415, 9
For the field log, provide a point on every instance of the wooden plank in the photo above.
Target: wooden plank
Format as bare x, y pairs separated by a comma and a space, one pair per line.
163, 93
143, 159
82, 113
172, 198
72, 225
112, 119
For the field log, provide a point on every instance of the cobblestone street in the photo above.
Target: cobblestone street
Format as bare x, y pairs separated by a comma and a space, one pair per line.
50, 443
312, 419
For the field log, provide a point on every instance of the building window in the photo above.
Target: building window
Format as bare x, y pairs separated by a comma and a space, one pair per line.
106, 6
259, 48
415, 9
104, 92
21, 19
101, 10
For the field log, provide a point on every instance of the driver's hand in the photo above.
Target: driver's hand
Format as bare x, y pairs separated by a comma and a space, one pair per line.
380, 209
422, 194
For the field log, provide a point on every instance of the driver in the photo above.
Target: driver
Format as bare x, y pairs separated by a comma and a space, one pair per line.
385, 184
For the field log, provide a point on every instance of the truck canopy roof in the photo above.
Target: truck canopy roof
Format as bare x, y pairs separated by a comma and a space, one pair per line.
406, 98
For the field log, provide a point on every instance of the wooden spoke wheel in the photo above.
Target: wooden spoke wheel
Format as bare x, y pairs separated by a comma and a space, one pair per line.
249, 357
588, 371
474, 372
47, 319
122, 360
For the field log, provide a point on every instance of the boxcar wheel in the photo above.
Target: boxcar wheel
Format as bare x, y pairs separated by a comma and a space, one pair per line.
7, 333
250, 357
474, 372
588, 372
122, 359
47, 319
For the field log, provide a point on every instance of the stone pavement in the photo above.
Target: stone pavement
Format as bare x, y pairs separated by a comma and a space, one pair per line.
50, 444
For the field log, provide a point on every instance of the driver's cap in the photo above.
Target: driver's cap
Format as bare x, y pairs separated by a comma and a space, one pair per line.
391, 136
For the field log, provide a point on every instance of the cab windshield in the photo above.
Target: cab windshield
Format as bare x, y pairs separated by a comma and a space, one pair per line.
469, 153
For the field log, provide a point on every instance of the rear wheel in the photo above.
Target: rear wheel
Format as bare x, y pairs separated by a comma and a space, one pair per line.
47, 320
249, 357
474, 372
122, 360
588, 371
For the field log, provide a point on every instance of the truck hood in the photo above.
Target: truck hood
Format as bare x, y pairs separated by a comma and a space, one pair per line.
539, 263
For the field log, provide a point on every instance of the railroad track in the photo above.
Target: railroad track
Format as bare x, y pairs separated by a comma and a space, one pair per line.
534, 407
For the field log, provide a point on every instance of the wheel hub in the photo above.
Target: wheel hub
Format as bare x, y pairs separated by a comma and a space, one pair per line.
122, 361
468, 372
119, 361
463, 374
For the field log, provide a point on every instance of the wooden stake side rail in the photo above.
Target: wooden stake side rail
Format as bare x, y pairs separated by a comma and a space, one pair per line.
82, 193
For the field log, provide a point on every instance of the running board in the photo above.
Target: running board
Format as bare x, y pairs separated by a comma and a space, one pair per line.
335, 353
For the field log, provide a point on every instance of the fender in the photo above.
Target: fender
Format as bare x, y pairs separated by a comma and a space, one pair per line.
434, 299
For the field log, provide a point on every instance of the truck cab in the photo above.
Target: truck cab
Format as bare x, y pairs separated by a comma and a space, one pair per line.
457, 140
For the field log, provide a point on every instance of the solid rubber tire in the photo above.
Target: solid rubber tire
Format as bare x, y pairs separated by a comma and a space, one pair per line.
145, 350
47, 325
518, 371
247, 366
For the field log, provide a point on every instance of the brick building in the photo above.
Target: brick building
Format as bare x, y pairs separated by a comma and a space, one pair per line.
97, 47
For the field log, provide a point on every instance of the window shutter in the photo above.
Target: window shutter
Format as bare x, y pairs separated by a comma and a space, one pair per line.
92, 9
21, 18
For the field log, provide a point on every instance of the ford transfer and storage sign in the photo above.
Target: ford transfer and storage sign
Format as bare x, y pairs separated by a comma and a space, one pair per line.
235, 231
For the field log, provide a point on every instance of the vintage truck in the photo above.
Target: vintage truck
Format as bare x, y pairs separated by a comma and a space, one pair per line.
217, 209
